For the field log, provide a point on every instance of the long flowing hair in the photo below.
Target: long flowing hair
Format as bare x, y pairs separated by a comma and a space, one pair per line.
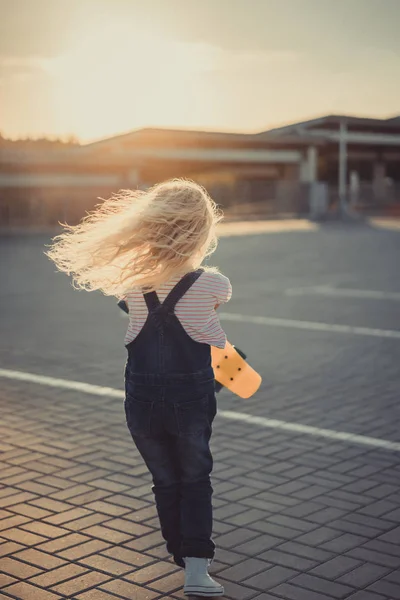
139, 239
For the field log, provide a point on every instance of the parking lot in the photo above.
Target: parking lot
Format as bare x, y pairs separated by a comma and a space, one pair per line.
307, 472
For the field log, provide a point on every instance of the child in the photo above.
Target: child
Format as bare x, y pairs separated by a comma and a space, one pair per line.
146, 248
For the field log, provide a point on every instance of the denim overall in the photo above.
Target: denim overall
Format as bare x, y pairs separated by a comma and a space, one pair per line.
170, 406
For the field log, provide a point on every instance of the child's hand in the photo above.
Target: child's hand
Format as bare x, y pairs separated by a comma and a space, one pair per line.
216, 306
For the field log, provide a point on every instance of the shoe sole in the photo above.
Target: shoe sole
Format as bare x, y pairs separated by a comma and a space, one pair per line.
203, 592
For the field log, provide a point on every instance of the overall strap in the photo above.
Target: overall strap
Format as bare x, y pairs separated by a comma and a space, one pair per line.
152, 301
180, 289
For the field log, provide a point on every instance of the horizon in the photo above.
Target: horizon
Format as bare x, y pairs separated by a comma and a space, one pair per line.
76, 69
70, 138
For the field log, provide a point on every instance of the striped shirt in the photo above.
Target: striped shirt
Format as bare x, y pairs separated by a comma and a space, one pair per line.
195, 310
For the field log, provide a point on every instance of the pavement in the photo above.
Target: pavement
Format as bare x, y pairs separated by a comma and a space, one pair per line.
307, 472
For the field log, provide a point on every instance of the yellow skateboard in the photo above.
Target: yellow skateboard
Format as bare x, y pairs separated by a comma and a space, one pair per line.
233, 372
230, 368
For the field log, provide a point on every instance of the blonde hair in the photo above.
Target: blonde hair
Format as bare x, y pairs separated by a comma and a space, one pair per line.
139, 239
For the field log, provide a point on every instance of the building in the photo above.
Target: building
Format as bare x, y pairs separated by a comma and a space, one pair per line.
369, 150
277, 171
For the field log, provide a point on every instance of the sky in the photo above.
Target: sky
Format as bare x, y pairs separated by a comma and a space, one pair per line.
95, 68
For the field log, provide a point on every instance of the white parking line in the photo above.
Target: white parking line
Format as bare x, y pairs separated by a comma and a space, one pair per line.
310, 430
78, 386
98, 390
327, 290
310, 325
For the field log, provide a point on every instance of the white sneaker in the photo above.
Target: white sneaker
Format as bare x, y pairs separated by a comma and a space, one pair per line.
197, 580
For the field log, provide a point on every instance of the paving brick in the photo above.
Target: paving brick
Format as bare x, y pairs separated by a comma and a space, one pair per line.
393, 536
236, 537
271, 577
56, 482
228, 557
57, 576
302, 510
318, 536
291, 522
245, 518
95, 594
373, 556
293, 592
106, 565
305, 551
23, 537
84, 549
169, 583
18, 569
85, 522
142, 515
334, 568
9, 500
259, 544
383, 546
30, 511
146, 542
325, 515
39, 559
274, 529
102, 506
88, 497
321, 586
129, 590
109, 535
265, 597
386, 588
67, 516
152, 572
378, 509
126, 501
245, 569
12, 521
364, 595
275, 556
394, 576
129, 527
4, 581
9, 548
339, 503
344, 542
236, 591
81, 583
363, 575
36, 487
356, 528
375, 522
50, 504
128, 556
277, 498
63, 543
26, 591
45, 530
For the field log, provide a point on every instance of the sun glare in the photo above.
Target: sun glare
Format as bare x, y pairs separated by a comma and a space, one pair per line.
117, 79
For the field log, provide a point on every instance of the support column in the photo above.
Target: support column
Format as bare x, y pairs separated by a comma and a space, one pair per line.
343, 165
309, 166
316, 191
379, 180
